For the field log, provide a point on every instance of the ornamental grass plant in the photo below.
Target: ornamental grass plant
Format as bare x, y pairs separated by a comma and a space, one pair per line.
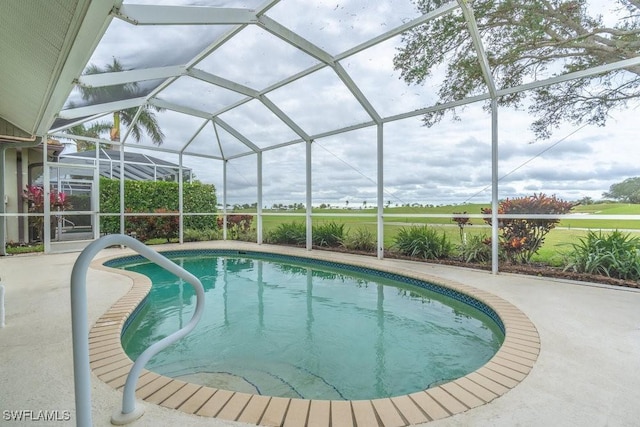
614, 255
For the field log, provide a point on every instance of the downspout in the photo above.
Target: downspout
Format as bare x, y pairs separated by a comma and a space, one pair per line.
3, 218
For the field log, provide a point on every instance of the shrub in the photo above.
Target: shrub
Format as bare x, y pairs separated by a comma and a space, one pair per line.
328, 234
147, 196
153, 227
422, 242
522, 237
477, 248
238, 227
240, 222
250, 235
360, 239
294, 233
199, 198
195, 235
614, 255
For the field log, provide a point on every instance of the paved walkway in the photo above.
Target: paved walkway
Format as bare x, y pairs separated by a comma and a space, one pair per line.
587, 374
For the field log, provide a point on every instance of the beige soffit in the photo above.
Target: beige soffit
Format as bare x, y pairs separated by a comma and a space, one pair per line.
36, 38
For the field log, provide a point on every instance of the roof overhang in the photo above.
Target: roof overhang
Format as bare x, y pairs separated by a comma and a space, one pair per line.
44, 47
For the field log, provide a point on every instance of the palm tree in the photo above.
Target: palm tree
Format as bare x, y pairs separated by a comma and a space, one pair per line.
147, 120
93, 131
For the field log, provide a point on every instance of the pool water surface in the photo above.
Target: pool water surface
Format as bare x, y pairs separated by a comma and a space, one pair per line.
296, 329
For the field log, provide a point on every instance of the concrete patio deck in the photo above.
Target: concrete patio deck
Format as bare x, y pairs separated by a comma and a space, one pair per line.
587, 373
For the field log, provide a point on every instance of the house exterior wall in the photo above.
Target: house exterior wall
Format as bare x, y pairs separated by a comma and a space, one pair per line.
16, 178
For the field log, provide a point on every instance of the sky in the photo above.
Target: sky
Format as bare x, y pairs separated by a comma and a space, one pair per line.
449, 163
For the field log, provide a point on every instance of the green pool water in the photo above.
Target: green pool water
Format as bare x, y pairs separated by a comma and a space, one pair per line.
293, 329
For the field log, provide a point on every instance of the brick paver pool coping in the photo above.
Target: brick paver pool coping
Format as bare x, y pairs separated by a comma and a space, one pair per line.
508, 367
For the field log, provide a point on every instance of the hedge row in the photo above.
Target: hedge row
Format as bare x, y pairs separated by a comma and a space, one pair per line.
150, 196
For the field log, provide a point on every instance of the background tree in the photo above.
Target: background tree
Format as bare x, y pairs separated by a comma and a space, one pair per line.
586, 200
95, 130
627, 191
147, 120
523, 38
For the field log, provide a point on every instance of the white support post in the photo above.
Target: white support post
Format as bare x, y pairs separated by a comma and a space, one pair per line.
259, 225
380, 184
180, 201
122, 228
224, 199
309, 200
95, 196
47, 194
494, 187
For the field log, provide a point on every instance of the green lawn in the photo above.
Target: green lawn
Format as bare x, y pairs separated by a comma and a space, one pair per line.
557, 242
604, 209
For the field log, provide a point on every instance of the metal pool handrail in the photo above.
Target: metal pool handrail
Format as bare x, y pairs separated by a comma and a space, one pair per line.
80, 329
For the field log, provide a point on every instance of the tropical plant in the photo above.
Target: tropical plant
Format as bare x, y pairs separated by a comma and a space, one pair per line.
146, 121
521, 238
293, 233
462, 222
521, 39
34, 195
614, 255
360, 239
476, 249
238, 227
422, 242
328, 234
242, 222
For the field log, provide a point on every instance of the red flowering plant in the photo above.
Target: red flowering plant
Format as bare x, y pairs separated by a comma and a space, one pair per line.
237, 224
153, 227
521, 238
35, 197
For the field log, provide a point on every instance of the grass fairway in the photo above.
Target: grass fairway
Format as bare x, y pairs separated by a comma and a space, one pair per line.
602, 224
557, 242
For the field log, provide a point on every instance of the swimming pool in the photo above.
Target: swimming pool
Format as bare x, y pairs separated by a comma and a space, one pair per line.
320, 330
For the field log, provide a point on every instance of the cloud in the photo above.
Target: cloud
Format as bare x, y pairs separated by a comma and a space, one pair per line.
153, 46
